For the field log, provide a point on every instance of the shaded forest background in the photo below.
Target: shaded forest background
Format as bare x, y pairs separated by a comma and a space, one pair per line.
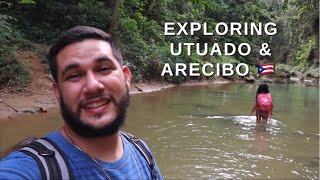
138, 26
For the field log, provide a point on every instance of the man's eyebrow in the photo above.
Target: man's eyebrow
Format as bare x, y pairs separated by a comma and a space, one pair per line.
102, 59
69, 67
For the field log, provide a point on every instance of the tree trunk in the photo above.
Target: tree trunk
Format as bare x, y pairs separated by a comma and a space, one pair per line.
114, 17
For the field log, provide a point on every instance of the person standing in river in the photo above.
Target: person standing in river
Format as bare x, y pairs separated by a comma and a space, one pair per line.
264, 104
92, 87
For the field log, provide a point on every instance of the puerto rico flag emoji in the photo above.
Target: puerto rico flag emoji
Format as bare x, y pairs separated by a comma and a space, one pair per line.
264, 69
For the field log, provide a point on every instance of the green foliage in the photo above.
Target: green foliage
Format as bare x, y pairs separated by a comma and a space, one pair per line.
304, 51
254, 70
226, 59
46, 19
306, 22
133, 54
140, 29
27, 1
282, 70
313, 71
297, 24
11, 69
286, 71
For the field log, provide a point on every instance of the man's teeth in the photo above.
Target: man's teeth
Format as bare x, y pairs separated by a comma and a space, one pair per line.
96, 104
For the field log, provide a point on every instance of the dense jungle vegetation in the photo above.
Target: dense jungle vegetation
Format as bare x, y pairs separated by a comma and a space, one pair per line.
138, 26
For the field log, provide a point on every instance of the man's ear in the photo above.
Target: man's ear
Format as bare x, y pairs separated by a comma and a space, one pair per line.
127, 75
55, 89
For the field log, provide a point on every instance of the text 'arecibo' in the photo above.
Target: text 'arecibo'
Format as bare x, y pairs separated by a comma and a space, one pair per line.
207, 69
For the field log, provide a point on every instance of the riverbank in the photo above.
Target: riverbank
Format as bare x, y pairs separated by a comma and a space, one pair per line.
38, 96
30, 100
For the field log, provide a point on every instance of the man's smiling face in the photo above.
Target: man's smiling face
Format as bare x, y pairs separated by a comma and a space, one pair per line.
92, 87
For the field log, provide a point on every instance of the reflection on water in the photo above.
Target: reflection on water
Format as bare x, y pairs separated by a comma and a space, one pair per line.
203, 132
243, 149
250, 142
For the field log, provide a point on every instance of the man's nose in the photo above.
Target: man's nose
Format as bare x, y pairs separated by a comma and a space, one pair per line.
93, 85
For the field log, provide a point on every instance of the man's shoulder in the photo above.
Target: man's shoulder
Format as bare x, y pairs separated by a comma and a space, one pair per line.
137, 146
18, 165
133, 139
142, 151
16, 155
54, 135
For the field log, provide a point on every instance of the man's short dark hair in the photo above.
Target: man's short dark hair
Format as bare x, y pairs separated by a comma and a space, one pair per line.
78, 34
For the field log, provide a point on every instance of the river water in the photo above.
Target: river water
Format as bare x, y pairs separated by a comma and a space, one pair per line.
205, 132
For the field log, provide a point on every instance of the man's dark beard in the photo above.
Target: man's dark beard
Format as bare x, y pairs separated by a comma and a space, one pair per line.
86, 130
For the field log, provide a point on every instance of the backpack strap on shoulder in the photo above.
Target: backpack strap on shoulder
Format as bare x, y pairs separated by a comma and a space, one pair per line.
50, 159
143, 151
63, 163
